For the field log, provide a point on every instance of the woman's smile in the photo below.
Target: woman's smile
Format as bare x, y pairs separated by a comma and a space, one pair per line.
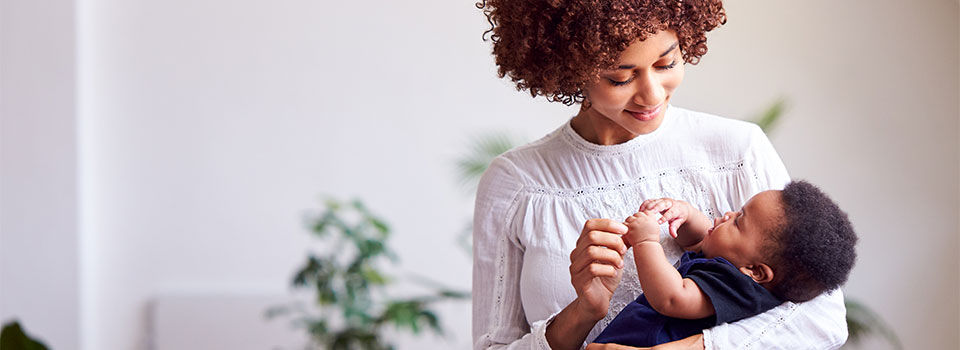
646, 115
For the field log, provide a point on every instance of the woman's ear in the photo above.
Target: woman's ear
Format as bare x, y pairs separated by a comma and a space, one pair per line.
761, 273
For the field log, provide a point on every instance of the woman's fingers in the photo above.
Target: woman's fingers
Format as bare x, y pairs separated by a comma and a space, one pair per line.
592, 270
601, 238
605, 225
595, 254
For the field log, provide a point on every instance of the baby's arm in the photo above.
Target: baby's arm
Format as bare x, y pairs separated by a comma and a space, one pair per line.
687, 224
668, 292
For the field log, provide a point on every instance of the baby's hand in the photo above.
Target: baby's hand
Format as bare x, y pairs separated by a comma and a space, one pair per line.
641, 227
674, 211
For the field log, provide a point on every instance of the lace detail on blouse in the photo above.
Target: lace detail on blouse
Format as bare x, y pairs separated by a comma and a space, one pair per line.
533, 201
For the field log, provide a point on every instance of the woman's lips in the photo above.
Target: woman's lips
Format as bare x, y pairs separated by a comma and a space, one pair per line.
646, 115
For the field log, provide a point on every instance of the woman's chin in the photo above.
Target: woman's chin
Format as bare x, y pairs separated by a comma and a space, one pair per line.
644, 124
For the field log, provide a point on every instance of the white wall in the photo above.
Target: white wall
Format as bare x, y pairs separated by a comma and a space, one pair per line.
211, 126
39, 283
874, 121
207, 128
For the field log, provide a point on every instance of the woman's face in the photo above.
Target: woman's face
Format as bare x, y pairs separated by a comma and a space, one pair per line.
631, 98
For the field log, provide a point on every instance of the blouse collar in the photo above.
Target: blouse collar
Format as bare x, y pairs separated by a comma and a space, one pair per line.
611, 150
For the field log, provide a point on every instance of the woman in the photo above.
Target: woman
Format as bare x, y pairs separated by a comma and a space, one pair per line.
551, 209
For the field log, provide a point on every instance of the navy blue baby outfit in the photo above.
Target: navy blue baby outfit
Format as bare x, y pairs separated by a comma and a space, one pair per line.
734, 296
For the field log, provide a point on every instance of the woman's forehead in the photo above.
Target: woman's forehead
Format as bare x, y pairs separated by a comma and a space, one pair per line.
649, 50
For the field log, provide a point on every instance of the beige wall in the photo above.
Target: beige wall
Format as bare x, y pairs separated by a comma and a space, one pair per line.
874, 121
39, 234
207, 127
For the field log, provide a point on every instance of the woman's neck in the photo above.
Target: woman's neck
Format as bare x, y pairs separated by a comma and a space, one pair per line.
598, 129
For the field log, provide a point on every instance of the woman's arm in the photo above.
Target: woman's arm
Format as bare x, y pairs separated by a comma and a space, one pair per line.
693, 342
499, 321
817, 324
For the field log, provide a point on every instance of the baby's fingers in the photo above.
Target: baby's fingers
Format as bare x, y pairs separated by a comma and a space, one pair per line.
656, 205
675, 225
673, 213
647, 204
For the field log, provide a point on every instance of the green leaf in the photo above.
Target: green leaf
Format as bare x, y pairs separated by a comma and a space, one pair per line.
410, 314
326, 295
13, 337
432, 320
769, 117
307, 273
371, 247
380, 226
485, 148
321, 226
358, 205
332, 204
275, 311
318, 328
374, 276
453, 294
862, 322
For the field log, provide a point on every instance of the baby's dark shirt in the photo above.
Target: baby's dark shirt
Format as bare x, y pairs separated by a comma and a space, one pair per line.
734, 296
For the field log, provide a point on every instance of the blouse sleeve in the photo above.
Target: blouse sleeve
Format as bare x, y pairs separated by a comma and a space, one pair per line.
499, 321
816, 324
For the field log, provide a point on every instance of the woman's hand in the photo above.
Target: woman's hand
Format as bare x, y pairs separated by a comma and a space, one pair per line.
596, 265
693, 342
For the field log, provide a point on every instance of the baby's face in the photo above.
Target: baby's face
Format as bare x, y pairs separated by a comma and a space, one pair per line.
739, 237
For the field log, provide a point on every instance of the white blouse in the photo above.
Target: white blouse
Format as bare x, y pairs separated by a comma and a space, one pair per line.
533, 201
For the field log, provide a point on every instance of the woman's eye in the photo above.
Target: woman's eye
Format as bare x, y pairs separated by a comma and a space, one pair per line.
619, 82
669, 66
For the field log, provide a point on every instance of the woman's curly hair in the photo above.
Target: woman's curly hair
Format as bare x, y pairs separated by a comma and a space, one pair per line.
555, 47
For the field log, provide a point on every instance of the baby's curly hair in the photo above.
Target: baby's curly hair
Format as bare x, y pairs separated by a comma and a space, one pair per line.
555, 47
814, 249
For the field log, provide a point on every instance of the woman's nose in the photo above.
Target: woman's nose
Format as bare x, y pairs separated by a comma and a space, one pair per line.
650, 91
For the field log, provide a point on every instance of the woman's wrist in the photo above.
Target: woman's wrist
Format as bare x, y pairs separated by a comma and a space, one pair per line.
571, 326
586, 314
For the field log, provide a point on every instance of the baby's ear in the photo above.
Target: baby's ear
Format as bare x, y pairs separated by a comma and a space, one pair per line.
761, 273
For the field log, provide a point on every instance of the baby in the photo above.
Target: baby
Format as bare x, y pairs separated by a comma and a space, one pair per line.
788, 245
